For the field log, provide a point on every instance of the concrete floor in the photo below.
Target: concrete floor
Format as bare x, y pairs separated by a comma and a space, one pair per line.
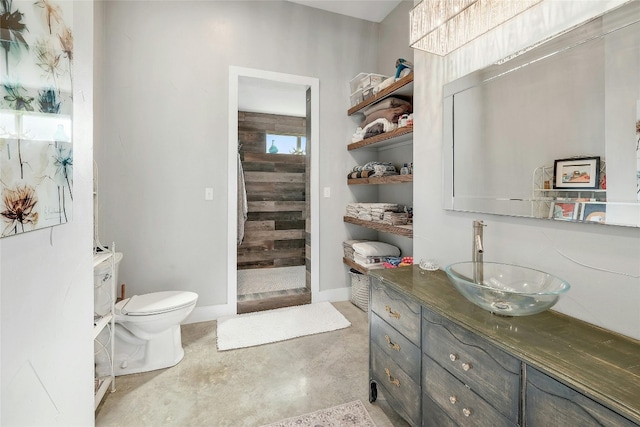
252, 386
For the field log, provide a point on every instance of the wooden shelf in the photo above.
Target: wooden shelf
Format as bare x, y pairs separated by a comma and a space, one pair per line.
384, 139
351, 263
400, 230
378, 180
403, 87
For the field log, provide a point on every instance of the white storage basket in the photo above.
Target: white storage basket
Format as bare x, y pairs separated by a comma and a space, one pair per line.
359, 290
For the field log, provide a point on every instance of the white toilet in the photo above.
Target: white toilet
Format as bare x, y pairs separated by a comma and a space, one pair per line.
147, 332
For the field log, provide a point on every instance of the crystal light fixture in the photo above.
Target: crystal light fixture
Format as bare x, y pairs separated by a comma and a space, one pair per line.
442, 26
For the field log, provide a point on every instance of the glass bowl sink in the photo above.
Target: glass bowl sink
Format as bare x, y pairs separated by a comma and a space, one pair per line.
505, 289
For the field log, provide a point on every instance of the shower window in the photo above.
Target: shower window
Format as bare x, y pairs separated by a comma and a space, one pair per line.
286, 144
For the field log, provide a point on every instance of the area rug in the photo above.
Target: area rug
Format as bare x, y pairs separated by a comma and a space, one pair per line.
251, 329
257, 280
350, 414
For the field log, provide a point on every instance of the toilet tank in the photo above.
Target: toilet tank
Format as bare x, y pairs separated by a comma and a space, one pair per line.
102, 291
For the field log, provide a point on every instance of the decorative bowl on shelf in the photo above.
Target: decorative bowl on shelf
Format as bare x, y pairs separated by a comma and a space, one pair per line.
505, 289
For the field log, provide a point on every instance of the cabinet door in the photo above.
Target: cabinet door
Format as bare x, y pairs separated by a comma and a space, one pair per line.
485, 369
464, 406
398, 348
551, 403
397, 310
433, 415
402, 391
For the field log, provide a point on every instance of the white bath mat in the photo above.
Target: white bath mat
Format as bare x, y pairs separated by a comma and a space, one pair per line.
251, 329
257, 280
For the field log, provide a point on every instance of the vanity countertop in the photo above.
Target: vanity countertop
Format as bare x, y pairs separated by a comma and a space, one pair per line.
601, 364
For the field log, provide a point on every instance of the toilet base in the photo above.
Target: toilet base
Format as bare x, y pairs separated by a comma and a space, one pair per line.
134, 355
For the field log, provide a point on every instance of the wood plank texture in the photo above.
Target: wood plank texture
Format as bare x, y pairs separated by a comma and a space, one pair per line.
400, 230
276, 193
601, 364
398, 88
377, 180
384, 139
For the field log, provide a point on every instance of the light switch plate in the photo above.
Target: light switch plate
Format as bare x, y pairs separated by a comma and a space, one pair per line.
208, 193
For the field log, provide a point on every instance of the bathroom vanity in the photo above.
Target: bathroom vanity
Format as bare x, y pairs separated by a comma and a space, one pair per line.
440, 360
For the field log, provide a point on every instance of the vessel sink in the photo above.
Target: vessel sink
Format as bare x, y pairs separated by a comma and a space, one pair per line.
505, 289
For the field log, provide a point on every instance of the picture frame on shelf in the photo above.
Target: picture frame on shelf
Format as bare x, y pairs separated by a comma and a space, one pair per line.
594, 212
564, 211
576, 173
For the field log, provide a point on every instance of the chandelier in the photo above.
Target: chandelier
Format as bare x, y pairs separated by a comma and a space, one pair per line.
442, 26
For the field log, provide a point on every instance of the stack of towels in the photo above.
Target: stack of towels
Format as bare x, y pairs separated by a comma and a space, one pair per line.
373, 254
373, 169
382, 117
395, 218
371, 211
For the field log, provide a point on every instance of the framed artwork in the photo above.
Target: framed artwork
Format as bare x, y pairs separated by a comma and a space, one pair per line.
594, 212
565, 211
36, 105
577, 173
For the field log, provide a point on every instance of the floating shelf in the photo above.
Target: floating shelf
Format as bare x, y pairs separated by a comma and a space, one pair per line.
351, 263
400, 230
378, 180
384, 139
403, 87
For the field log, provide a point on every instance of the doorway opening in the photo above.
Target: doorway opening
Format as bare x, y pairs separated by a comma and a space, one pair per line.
275, 246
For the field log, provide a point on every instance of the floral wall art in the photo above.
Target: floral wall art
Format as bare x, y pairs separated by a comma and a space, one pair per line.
36, 151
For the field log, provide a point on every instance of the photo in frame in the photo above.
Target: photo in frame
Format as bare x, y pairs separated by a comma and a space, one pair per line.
564, 211
593, 212
576, 173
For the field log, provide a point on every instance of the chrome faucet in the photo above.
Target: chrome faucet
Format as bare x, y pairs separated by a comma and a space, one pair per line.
477, 252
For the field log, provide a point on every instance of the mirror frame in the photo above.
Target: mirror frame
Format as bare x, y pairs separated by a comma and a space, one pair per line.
594, 28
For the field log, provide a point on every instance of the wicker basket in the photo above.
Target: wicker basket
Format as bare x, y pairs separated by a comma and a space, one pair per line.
359, 290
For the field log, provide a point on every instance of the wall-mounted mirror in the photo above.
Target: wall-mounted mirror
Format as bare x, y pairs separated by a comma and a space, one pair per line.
520, 137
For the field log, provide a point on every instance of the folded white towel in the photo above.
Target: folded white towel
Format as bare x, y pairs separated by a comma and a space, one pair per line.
375, 249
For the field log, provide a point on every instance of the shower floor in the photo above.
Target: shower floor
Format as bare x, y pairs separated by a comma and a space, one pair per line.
261, 280
269, 288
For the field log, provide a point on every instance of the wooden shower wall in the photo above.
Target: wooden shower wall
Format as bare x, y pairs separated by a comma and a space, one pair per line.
275, 184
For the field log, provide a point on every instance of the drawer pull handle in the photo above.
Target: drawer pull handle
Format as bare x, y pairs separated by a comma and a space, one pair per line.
392, 345
453, 400
466, 366
394, 381
391, 313
453, 357
466, 412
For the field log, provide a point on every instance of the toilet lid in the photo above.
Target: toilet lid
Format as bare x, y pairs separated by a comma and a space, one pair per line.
156, 302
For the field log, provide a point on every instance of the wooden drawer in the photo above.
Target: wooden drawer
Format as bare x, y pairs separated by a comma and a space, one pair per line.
401, 390
461, 404
402, 351
550, 403
397, 310
433, 415
489, 371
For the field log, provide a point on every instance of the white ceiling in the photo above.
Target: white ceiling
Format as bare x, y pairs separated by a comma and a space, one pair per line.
369, 10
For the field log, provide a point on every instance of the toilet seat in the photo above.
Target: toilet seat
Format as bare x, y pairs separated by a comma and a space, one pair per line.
155, 303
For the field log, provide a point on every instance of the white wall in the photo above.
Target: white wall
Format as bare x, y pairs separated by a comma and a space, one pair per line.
46, 285
601, 263
165, 130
